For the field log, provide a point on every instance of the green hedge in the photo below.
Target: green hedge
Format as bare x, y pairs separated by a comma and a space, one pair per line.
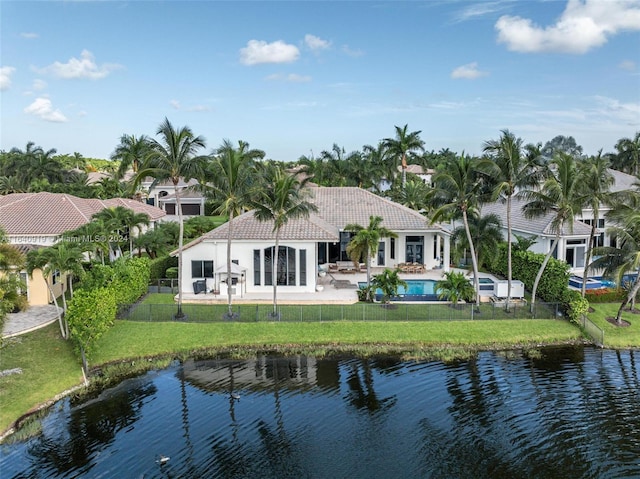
158, 266
606, 295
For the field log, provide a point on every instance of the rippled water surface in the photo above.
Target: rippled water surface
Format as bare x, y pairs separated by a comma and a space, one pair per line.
573, 413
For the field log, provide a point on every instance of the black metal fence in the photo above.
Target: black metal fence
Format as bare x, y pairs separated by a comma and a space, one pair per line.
337, 312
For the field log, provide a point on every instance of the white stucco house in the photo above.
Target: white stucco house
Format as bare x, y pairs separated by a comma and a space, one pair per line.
163, 195
308, 244
572, 246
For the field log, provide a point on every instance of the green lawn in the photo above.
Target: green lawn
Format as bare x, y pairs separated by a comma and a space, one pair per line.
614, 336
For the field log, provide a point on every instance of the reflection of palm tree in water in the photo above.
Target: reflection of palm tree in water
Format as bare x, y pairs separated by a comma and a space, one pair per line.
365, 397
185, 420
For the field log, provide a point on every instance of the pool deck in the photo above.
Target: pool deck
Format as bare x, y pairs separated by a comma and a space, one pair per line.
332, 293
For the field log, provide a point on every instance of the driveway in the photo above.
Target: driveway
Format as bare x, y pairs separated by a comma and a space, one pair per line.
35, 317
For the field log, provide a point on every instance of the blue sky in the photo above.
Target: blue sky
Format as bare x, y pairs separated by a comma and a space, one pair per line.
292, 78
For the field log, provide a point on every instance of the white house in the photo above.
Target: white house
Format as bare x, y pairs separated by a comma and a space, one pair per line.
163, 195
308, 244
425, 174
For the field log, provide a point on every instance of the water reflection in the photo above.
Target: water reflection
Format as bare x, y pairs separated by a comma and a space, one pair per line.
572, 413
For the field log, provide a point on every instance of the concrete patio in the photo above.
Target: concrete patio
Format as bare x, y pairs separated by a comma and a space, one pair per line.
35, 317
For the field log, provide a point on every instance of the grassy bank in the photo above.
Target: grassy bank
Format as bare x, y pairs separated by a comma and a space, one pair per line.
615, 336
50, 367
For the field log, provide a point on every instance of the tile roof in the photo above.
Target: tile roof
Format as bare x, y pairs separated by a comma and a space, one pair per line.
622, 181
337, 207
538, 226
54, 213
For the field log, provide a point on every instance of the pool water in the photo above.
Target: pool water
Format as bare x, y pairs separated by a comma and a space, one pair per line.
416, 290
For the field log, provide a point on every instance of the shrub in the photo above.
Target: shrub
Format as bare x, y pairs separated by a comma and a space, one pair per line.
159, 266
574, 305
605, 295
171, 272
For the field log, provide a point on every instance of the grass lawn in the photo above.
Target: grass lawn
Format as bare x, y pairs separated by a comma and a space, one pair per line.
615, 336
48, 365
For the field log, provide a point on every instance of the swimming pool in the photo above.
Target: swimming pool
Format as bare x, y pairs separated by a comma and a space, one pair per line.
416, 290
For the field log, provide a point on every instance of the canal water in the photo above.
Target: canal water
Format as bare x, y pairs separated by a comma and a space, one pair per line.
570, 413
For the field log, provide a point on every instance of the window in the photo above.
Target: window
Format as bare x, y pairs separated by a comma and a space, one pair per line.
202, 269
392, 248
345, 237
381, 253
286, 269
575, 252
170, 208
303, 267
256, 267
192, 210
55, 277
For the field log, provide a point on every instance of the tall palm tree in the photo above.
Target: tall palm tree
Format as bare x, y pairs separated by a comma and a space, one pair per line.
283, 197
456, 193
174, 157
131, 153
596, 181
623, 257
560, 195
365, 242
512, 170
115, 220
403, 144
230, 180
486, 233
134, 220
382, 168
628, 157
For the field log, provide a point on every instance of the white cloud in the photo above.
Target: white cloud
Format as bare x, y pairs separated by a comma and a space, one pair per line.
5, 77
178, 106
476, 10
29, 35
352, 52
628, 65
291, 77
316, 43
469, 71
175, 104
85, 67
584, 24
43, 108
628, 113
258, 51
39, 84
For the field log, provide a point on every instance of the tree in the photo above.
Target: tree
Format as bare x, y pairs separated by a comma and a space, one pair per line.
486, 233
11, 261
511, 170
455, 287
131, 153
561, 196
596, 181
115, 221
623, 257
388, 282
173, 157
456, 193
561, 144
283, 197
403, 144
628, 157
414, 194
231, 182
134, 220
365, 242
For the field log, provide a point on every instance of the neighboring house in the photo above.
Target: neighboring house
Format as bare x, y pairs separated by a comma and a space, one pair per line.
36, 220
308, 244
572, 246
425, 174
163, 195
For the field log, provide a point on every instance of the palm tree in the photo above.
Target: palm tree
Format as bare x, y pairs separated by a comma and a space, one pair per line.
403, 144
597, 180
512, 170
134, 220
365, 242
282, 197
628, 157
486, 233
174, 158
11, 261
413, 195
388, 282
115, 220
456, 193
624, 257
454, 287
382, 168
131, 153
561, 196
231, 182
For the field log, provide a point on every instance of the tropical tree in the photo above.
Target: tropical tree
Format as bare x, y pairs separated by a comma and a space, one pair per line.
628, 157
596, 181
623, 257
115, 221
133, 220
511, 170
402, 145
11, 261
131, 153
380, 164
455, 287
456, 193
414, 194
174, 157
388, 282
562, 197
486, 232
365, 242
230, 181
282, 197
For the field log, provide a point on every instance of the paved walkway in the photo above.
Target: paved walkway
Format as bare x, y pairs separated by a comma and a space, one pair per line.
35, 317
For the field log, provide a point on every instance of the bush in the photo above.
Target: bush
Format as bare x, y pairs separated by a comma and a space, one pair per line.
605, 295
574, 305
159, 266
171, 272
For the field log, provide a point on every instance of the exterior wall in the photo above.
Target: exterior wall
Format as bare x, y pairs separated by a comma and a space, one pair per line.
38, 292
242, 251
